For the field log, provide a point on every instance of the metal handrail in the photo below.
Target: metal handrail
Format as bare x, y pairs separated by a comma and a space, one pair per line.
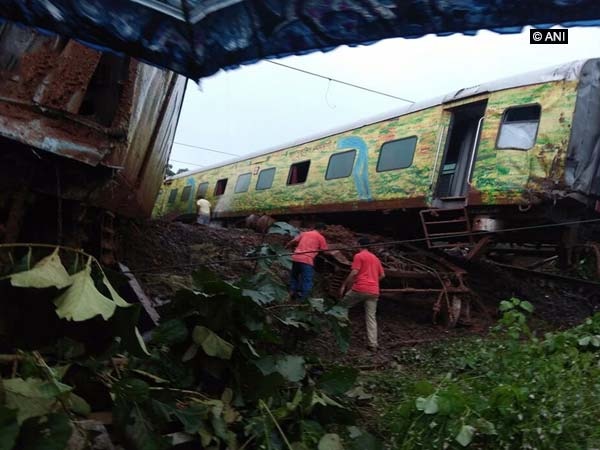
437, 153
473, 151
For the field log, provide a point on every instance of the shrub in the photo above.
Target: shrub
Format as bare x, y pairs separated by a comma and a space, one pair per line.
516, 392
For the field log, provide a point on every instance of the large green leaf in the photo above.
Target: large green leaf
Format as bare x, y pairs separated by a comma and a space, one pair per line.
132, 390
260, 297
211, 343
9, 428
79, 405
82, 301
331, 441
51, 432
142, 434
311, 433
465, 435
342, 334
365, 441
289, 366
266, 284
318, 304
429, 405
170, 332
209, 283
339, 312
123, 325
193, 418
33, 397
48, 272
338, 380
119, 301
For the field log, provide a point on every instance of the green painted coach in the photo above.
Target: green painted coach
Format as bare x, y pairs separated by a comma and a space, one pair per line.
521, 147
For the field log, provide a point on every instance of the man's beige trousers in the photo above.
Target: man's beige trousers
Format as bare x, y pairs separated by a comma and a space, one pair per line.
353, 298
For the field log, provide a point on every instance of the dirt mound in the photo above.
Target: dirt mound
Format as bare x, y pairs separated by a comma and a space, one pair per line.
164, 254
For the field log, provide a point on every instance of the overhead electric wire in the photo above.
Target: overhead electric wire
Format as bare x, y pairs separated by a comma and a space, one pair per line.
188, 163
374, 244
356, 86
206, 148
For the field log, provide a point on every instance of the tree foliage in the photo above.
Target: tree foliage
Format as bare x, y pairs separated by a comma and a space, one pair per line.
218, 372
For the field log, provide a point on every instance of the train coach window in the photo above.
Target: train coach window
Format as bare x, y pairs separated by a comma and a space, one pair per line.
172, 196
340, 165
519, 127
185, 194
397, 154
298, 172
220, 187
243, 183
202, 189
265, 179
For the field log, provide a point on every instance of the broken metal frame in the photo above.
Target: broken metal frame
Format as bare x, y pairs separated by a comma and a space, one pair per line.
406, 275
594, 247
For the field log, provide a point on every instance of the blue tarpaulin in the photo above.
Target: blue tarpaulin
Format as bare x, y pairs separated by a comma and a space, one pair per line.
196, 38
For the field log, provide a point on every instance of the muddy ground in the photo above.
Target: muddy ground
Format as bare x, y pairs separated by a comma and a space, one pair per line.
163, 254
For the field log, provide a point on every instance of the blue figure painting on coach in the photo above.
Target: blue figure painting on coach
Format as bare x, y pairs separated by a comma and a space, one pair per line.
360, 173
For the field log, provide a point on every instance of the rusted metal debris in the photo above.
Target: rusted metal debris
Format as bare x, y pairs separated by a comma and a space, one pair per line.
113, 114
536, 267
412, 271
260, 223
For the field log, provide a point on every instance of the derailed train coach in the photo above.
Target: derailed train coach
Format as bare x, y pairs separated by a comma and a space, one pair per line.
84, 136
519, 151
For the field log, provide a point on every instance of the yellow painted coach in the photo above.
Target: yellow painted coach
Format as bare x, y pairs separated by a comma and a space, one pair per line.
525, 144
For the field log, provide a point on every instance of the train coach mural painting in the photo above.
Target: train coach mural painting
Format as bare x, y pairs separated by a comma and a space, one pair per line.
514, 151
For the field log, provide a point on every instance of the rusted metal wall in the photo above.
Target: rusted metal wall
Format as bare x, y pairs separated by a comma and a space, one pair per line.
99, 109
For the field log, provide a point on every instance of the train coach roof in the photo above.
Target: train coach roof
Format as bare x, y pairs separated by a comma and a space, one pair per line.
568, 71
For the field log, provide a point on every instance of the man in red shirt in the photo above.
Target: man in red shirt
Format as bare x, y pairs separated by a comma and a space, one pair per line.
364, 279
308, 245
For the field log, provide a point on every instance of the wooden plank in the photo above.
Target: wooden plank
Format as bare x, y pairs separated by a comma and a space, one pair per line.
139, 292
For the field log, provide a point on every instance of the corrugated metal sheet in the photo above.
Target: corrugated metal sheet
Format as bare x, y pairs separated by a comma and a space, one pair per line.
59, 96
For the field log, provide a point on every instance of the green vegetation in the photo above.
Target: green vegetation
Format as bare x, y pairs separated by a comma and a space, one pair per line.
220, 371
223, 371
513, 390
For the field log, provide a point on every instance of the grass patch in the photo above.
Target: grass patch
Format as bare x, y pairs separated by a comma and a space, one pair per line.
513, 390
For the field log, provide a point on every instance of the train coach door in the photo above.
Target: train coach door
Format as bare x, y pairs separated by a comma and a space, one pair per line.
459, 156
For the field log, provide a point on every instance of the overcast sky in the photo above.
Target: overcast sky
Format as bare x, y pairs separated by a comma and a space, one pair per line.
261, 106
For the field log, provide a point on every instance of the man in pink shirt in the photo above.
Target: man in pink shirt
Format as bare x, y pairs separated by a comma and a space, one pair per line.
308, 245
363, 282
